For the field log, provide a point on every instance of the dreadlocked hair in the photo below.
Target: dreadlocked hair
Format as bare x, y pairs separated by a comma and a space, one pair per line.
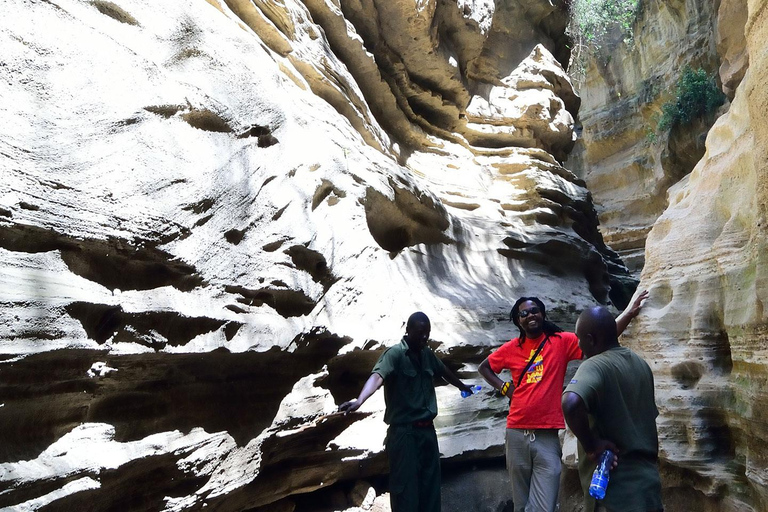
548, 327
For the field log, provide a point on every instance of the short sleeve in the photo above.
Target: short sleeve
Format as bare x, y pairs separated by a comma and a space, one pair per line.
586, 383
386, 364
653, 388
437, 365
572, 346
499, 360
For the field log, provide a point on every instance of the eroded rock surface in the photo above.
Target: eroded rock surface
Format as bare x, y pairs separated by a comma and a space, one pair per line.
214, 216
702, 209
627, 163
704, 331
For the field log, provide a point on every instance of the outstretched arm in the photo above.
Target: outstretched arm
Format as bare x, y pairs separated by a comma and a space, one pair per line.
575, 413
452, 379
373, 383
622, 321
491, 378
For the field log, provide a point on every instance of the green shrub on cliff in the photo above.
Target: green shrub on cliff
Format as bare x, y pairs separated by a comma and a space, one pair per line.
591, 23
594, 18
696, 96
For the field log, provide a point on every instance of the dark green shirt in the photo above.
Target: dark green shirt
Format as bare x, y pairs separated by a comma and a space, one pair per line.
617, 389
409, 388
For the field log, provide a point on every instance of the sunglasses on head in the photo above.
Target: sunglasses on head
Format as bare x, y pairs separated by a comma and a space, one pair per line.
524, 313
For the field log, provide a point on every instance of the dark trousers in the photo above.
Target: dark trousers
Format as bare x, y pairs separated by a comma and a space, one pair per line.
414, 469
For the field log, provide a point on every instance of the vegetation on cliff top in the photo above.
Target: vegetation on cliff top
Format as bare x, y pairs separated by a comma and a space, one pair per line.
596, 23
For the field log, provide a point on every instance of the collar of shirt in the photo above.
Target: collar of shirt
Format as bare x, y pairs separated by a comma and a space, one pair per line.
536, 340
413, 354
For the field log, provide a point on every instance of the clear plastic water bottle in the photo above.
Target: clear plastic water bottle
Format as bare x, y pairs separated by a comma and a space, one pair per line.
601, 476
465, 394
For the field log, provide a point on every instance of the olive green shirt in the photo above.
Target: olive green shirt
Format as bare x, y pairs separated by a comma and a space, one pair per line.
617, 389
409, 389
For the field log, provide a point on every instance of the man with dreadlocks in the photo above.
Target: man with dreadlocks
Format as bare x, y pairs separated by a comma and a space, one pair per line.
537, 361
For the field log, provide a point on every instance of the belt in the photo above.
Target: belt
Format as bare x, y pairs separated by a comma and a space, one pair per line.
422, 424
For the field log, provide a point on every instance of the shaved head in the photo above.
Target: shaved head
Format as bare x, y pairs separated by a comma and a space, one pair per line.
596, 329
415, 318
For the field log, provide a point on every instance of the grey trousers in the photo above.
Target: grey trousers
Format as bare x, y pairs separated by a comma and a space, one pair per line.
533, 463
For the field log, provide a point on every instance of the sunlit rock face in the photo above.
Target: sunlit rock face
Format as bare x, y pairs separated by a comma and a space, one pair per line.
627, 163
214, 217
704, 329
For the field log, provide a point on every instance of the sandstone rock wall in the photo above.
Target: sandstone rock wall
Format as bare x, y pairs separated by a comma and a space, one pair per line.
214, 216
627, 162
704, 328
703, 213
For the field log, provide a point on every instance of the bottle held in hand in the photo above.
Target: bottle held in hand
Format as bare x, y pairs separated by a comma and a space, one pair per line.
465, 394
601, 475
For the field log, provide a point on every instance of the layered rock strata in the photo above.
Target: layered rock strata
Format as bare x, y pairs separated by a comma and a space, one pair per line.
704, 328
626, 161
214, 216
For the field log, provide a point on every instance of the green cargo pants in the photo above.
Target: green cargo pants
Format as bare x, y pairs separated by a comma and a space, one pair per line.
414, 469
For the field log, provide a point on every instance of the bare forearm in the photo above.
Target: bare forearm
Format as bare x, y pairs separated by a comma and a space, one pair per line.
489, 375
623, 320
373, 383
453, 380
575, 413
491, 378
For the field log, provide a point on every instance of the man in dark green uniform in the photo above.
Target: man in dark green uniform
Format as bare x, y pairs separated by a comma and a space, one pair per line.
407, 371
610, 404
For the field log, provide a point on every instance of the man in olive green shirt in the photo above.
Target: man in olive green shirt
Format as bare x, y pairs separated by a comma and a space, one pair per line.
610, 404
407, 371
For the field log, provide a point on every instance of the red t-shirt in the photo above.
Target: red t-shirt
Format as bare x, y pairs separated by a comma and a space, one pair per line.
536, 402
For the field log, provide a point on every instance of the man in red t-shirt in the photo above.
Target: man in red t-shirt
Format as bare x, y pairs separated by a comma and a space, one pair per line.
537, 361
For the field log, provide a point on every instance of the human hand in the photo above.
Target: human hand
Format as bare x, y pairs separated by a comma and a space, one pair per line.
600, 446
350, 406
637, 305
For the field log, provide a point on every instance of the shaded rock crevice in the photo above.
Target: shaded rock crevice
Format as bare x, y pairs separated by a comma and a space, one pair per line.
117, 491
430, 66
113, 263
114, 11
155, 329
409, 219
152, 393
287, 302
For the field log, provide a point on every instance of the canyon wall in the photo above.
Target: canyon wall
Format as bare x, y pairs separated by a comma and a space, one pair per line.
627, 162
215, 216
687, 210
705, 330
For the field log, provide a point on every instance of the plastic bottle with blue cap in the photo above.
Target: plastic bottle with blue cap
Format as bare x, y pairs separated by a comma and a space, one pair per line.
600, 477
465, 394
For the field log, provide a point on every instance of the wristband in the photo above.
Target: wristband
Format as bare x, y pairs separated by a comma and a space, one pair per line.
504, 388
